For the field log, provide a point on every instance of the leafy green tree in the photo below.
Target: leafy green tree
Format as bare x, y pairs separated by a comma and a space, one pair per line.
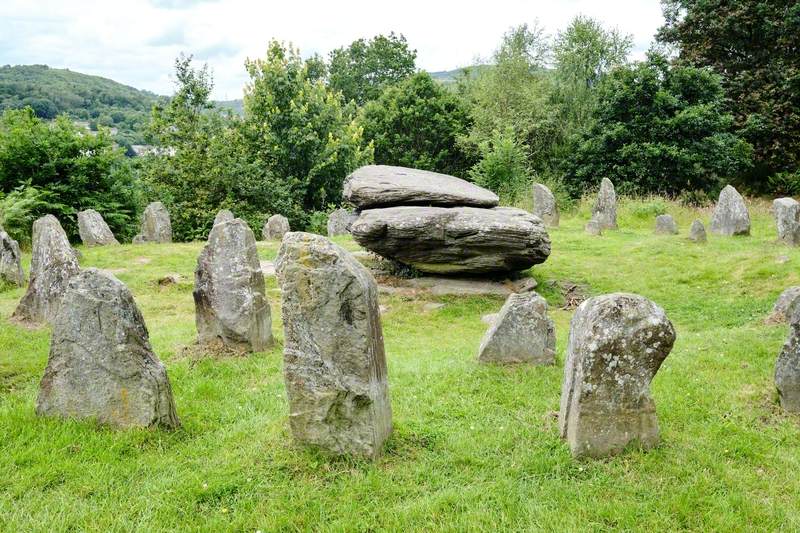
503, 167
362, 70
659, 129
417, 124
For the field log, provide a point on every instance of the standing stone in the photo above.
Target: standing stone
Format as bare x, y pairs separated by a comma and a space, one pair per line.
53, 263
730, 215
617, 343
787, 367
697, 232
156, 225
10, 261
101, 365
785, 305
275, 228
521, 333
229, 292
666, 225
787, 218
224, 215
339, 222
93, 229
334, 361
604, 211
544, 205
593, 227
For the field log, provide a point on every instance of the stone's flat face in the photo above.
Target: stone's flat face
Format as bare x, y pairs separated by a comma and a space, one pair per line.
382, 186
93, 229
334, 361
604, 212
101, 365
786, 305
339, 222
275, 228
10, 261
666, 225
544, 205
156, 225
229, 291
697, 232
730, 214
224, 215
787, 368
787, 219
53, 264
617, 343
455, 240
521, 333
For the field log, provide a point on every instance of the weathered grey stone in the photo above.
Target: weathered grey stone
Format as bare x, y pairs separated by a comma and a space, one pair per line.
617, 343
604, 211
93, 230
490, 318
787, 218
224, 215
339, 222
10, 261
456, 239
101, 365
786, 305
697, 232
382, 186
521, 333
229, 291
544, 205
787, 367
666, 225
156, 225
53, 263
730, 214
275, 228
593, 227
334, 361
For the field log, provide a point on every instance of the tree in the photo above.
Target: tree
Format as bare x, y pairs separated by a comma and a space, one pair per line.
755, 46
503, 167
659, 129
362, 70
417, 124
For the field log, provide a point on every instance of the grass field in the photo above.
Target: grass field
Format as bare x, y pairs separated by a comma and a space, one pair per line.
475, 448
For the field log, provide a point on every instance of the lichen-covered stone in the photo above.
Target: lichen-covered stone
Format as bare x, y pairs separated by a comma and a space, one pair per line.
617, 343
544, 205
156, 225
224, 215
229, 291
521, 333
275, 228
787, 219
786, 305
730, 214
339, 222
334, 361
787, 367
10, 261
101, 364
604, 211
697, 232
666, 225
53, 264
93, 230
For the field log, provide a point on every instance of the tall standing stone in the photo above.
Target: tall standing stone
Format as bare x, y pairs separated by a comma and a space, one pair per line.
229, 291
521, 333
604, 211
101, 365
730, 215
53, 264
275, 228
787, 367
10, 261
697, 232
224, 215
617, 343
339, 222
93, 230
156, 225
666, 225
334, 361
787, 218
544, 205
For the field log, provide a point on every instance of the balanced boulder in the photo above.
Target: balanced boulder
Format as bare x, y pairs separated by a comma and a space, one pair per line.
697, 232
787, 218
730, 214
521, 333
544, 205
787, 367
666, 225
275, 228
604, 211
229, 291
53, 264
617, 343
101, 364
93, 230
339, 222
224, 215
156, 225
334, 360
10, 261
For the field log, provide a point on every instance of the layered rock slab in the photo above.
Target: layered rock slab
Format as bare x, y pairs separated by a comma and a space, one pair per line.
93, 229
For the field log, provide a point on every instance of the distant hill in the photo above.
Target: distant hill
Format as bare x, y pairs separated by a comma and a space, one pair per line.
450, 76
237, 106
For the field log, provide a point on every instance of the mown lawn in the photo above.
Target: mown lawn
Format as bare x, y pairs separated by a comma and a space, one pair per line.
475, 448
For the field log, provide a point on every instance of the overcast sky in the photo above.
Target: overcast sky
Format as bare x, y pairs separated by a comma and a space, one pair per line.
135, 42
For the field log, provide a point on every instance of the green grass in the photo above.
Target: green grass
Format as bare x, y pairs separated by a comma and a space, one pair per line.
475, 448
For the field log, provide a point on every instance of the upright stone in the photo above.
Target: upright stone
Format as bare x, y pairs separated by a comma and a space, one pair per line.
156, 225
93, 230
53, 263
275, 228
787, 218
697, 232
334, 361
101, 365
604, 211
224, 215
229, 291
593, 227
544, 205
10, 261
666, 225
339, 222
730, 215
786, 305
617, 343
521, 333
787, 367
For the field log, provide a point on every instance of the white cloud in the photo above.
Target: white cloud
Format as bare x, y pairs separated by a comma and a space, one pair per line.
136, 42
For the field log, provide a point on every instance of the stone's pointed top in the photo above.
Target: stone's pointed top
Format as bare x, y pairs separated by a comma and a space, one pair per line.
604, 212
156, 225
730, 214
544, 205
520, 333
93, 230
382, 186
224, 215
697, 232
